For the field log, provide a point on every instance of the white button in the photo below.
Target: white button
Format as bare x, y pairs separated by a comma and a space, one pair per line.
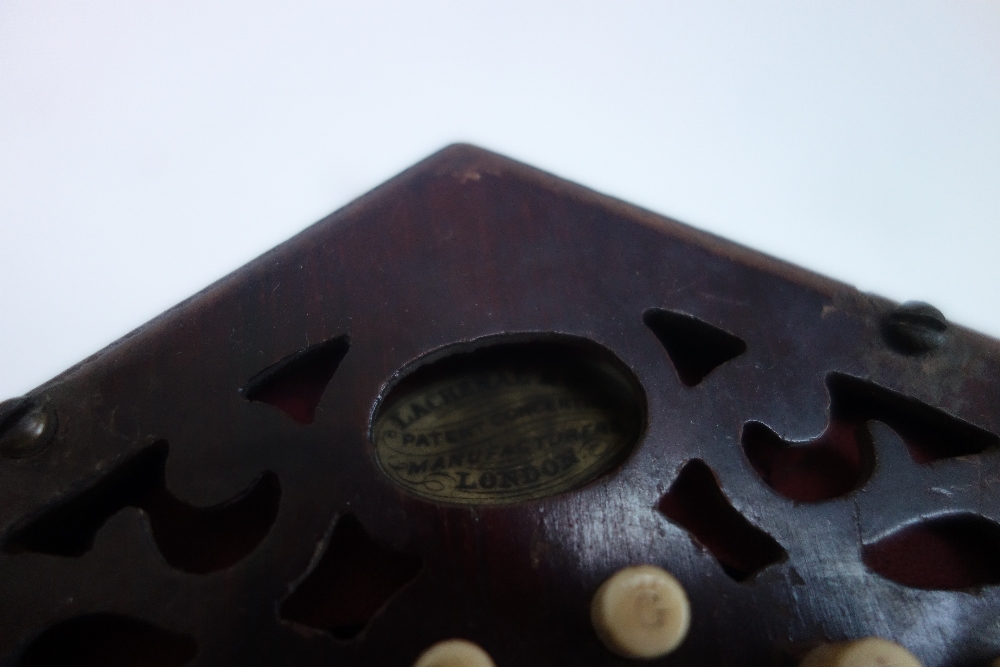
454, 653
868, 652
641, 612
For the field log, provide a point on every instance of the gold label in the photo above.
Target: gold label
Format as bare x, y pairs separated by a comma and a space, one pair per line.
498, 437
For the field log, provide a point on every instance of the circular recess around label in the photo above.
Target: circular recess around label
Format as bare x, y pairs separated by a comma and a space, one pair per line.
509, 421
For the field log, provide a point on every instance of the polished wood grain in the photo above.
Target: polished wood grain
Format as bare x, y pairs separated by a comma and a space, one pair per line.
277, 371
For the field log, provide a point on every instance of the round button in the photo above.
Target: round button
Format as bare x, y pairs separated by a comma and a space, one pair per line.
454, 653
641, 612
868, 652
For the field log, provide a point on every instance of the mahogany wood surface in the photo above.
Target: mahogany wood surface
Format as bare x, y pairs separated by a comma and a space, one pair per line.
309, 554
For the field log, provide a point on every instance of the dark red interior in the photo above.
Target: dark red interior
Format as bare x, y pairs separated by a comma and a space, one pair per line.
353, 580
696, 503
843, 457
108, 640
945, 553
296, 383
694, 346
833, 464
192, 539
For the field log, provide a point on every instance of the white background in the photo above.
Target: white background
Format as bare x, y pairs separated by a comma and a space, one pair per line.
148, 148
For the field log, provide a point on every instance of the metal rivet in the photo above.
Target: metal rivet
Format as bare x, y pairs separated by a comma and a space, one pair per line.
868, 652
455, 653
641, 612
914, 327
26, 427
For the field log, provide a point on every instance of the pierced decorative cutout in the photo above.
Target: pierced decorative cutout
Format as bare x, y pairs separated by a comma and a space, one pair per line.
694, 346
353, 580
930, 434
108, 640
843, 457
944, 553
192, 539
835, 463
296, 383
696, 503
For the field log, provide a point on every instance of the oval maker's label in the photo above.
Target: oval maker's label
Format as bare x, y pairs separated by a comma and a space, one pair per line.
498, 437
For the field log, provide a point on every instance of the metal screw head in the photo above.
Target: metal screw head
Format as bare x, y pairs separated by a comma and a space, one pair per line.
26, 427
914, 327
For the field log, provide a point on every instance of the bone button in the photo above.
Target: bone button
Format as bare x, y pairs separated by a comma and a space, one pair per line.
868, 652
641, 612
454, 653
